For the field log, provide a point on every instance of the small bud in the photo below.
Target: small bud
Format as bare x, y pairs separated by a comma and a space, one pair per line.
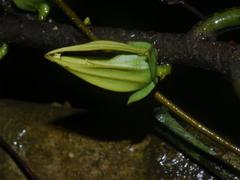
87, 21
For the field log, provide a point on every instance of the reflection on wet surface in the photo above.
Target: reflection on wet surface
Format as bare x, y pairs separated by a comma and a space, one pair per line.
179, 166
17, 142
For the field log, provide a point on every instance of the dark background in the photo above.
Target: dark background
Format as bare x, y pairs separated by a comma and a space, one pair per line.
25, 75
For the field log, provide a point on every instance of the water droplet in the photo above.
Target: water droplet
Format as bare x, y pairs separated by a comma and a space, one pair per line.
55, 28
71, 155
132, 35
15, 143
131, 149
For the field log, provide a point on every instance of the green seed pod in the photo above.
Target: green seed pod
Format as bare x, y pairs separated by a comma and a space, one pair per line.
129, 70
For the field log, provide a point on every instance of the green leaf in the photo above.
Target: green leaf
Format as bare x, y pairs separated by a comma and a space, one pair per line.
165, 118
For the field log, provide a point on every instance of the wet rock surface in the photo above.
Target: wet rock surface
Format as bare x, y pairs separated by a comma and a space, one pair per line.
54, 152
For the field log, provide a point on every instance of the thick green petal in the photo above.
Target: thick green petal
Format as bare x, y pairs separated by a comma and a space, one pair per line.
101, 45
140, 94
122, 73
140, 44
123, 62
118, 85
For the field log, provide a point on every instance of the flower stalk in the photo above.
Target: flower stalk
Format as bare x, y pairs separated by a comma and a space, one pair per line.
194, 123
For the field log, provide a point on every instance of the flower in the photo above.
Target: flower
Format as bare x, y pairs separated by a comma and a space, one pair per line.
133, 66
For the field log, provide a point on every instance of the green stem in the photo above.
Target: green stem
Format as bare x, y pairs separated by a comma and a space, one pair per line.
194, 123
75, 19
220, 20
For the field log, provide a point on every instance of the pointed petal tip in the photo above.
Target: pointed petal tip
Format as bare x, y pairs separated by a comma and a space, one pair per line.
142, 93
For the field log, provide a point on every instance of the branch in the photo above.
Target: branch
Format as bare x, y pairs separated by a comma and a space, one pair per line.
172, 48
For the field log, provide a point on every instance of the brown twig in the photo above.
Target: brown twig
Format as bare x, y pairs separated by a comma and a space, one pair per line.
75, 19
172, 48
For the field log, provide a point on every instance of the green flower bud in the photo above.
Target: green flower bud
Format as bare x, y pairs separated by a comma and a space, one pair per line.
128, 70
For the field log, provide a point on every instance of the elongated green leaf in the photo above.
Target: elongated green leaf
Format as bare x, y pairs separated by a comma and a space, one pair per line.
167, 120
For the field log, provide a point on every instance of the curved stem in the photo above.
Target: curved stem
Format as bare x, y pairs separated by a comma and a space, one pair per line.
218, 21
194, 123
75, 19
17, 159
